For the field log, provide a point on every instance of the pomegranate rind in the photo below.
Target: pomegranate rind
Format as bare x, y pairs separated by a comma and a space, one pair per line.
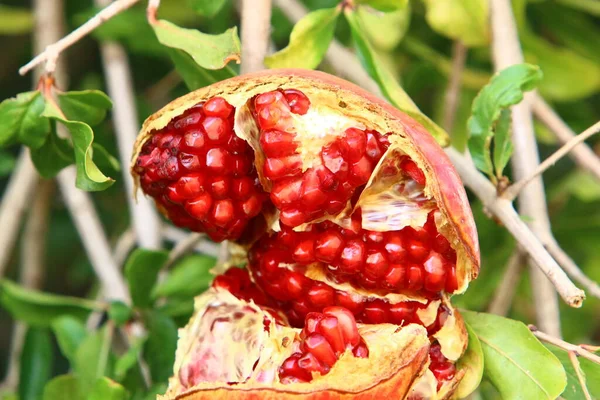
443, 182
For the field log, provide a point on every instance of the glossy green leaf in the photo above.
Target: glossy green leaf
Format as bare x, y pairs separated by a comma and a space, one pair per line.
69, 333
388, 84
385, 30
107, 389
188, 278
159, 350
15, 20
89, 176
119, 312
129, 359
464, 20
194, 75
208, 51
207, 8
589, 369
93, 358
309, 41
40, 309
7, 163
503, 147
141, 271
88, 106
54, 155
21, 120
384, 5
63, 387
472, 363
36, 363
505, 89
516, 363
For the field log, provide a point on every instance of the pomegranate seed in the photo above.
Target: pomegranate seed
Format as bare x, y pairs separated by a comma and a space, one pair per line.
443, 371
320, 295
297, 100
222, 212
395, 277
217, 107
242, 188
353, 145
395, 248
286, 192
375, 313
295, 283
252, 206
217, 129
413, 171
277, 143
435, 273
346, 323
277, 168
331, 331
328, 246
361, 350
292, 217
347, 301
200, 206
190, 186
194, 139
402, 313
310, 363
332, 158
218, 161
219, 187
290, 369
415, 277
304, 252
376, 265
451, 279
352, 256
435, 353
186, 121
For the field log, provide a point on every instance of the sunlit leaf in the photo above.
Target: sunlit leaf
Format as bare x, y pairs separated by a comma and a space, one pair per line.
93, 358
21, 120
15, 20
63, 387
387, 82
141, 271
503, 147
194, 75
40, 309
208, 51
69, 332
464, 20
505, 89
36, 364
384, 5
207, 8
590, 370
188, 278
472, 363
107, 389
385, 30
518, 365
309, 41
89, 106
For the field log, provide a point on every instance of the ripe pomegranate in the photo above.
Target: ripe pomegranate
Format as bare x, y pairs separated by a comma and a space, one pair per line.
358, 231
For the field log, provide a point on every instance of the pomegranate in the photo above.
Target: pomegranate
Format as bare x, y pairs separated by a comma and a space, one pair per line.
357, 231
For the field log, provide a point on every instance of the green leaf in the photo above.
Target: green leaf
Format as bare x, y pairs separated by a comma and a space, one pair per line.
178, 307
208, 51
590, 6
516, 363
104, 159
54, 155
21, 120
472, 363
159, 350
309, 41
464, 20
119, 312
388, 84
69, 332
93, 358
385, 30
505, 89
590, 370
141, 271
63, 387
207, 8
15, 20
107, 389
194, 75
129, 359
40, 309
384, 5
7, 163
503, 147
89, 176
88, 106
36, 364
188, 278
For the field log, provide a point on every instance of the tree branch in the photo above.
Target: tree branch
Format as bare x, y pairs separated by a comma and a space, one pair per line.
452, 98
578, 350
513, 190
177, 235
505, 292
117, 72
577, 367
52, 52
582, 154
506, 50
256, 29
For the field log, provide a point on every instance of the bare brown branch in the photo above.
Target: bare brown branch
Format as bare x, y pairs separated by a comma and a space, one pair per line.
452, 99
579, 372
256, 30
578, 350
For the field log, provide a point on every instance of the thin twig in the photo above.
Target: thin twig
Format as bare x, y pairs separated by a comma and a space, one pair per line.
144, 218
578, 350
504, 211
452, 98
505, 292
577, 367
256, 29
506, 50
582, 154
177, 235
124, 245
183, 247
52, 52
513, 190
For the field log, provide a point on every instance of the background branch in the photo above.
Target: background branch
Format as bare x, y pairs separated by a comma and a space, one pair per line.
532, 200
256, 31
505, 292
452, 98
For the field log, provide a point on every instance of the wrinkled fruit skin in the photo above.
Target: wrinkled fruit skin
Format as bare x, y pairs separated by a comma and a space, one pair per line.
357, 229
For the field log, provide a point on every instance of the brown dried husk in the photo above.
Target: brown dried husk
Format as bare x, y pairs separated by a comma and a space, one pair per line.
329, 94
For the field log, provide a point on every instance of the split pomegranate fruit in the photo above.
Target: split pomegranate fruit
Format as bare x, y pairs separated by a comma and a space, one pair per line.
357, 232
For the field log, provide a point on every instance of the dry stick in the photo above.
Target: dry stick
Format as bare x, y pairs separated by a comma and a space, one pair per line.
52, 52
177, 235
452, 99
506, 50
117, 72
504, 211
184, 246
124, 245
578, 350
582, 154
571, 267
505, 292
577, 366
256, 29
513, 190
339, 57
